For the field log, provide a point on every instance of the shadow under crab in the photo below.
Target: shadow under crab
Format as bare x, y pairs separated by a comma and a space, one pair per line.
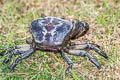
54, 34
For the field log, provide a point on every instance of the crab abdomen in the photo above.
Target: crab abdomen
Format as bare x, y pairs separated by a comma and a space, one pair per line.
50, 31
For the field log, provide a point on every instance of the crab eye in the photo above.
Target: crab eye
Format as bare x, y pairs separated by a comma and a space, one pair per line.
75, 21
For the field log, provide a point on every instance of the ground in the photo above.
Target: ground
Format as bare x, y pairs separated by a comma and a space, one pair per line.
103, 17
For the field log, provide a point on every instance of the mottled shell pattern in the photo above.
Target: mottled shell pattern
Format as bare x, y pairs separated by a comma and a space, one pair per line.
50, 30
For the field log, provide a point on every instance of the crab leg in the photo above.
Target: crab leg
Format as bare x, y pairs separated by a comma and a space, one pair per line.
22, 56
7, 50
18, 49
14, 52
69, 62
89, 46
84, 53
6, 60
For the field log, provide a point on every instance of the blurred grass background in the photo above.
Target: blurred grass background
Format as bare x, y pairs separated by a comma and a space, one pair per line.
103, 17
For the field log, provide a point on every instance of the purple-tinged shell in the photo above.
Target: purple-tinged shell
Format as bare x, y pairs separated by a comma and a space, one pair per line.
50, 30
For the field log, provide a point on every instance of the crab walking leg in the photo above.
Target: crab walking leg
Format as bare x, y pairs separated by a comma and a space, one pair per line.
7, 50
15, 52
23, 47
6, 60
69, 62
18, 49
84, 53
22, 56
89, 46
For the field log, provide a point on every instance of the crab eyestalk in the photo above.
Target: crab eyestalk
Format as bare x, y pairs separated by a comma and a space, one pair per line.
79, 29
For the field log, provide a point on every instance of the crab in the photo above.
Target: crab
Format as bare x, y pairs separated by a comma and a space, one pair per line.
54, 34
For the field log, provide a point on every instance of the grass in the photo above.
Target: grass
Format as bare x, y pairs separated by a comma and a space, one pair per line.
103, 17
